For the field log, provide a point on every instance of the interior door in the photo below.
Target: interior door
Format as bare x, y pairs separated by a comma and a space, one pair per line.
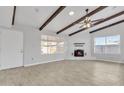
0, 50
12, 49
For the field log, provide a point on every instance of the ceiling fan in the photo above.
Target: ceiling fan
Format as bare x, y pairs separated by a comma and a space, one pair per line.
87, 22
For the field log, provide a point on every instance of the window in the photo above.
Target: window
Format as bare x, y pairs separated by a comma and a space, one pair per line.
60, 47
51, 45
99, 45
107, 45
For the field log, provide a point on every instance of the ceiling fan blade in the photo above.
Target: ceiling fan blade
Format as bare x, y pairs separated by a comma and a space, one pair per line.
80, 23
98, 20
81, 26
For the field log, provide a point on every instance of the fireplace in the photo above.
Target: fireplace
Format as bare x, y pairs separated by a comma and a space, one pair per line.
78, 53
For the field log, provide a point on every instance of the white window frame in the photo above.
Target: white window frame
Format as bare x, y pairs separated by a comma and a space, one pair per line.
57, 40
106, 45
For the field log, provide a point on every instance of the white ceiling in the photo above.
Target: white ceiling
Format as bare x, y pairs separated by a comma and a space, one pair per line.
102, 14
64, 19
6, 16
35, 16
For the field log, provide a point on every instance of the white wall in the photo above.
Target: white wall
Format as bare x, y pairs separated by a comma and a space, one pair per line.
114, 30
32, 48
79, 38
32, 53
6, 13
87, 38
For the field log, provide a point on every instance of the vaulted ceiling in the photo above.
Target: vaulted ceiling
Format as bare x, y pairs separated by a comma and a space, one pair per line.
36, 16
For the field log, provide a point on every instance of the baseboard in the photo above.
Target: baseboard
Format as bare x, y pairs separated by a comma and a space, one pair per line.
109, 61
80, 59
38, 63
7, 68
97, 60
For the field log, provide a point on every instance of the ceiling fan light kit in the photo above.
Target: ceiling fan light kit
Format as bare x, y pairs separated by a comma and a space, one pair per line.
87, 22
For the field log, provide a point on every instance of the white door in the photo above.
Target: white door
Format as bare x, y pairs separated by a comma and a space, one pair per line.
0, 50
12, 49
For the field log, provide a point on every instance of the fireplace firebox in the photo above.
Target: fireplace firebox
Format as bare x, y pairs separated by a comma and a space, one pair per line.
79, 53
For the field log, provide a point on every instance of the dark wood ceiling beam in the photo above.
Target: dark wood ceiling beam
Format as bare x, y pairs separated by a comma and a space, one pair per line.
97, 23
107, 26
111, 17
52, 17
13, 16
77, 31
82, 18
